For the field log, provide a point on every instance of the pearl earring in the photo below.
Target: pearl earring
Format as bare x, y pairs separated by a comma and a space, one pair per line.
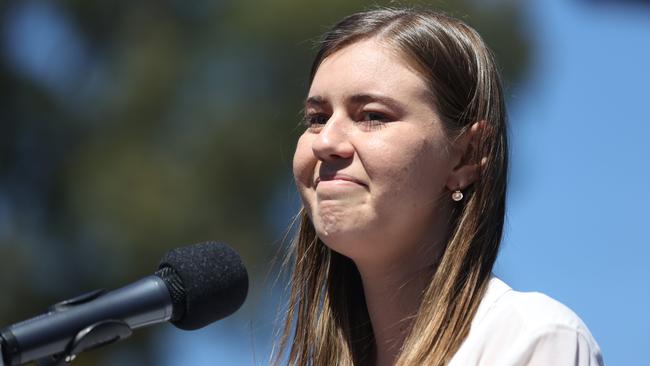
457, 195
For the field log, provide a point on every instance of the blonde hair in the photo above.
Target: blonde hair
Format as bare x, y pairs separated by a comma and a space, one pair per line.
327, 312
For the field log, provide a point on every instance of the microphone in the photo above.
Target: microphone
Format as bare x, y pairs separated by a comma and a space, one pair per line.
193, 287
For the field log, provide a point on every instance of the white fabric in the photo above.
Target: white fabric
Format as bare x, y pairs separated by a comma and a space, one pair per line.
525, 328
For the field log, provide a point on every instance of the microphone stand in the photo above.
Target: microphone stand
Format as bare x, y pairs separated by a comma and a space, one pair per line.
94, 336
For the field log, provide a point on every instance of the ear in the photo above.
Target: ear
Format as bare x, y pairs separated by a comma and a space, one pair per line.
466, 162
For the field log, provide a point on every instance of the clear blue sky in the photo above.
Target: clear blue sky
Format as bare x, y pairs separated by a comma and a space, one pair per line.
577, 220
577, 217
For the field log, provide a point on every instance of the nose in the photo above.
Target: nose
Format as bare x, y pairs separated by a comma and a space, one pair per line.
333, 141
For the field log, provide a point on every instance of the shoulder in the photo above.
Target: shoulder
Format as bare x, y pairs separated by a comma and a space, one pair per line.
527, 311
527, 328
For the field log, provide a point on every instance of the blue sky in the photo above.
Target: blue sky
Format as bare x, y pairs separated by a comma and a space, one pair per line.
577, 219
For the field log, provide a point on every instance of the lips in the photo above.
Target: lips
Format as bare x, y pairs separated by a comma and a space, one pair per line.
337, 177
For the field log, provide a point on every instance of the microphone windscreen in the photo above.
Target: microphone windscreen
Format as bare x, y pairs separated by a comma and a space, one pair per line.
215, 282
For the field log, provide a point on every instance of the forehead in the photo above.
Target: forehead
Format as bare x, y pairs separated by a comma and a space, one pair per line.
368, 66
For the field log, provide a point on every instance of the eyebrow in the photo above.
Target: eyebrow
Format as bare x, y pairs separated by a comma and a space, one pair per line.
315, 101
365, 98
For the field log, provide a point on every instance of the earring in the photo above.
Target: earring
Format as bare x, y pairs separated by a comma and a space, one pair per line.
457, 195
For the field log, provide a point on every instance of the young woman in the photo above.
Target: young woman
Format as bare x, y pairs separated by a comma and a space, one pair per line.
402, 174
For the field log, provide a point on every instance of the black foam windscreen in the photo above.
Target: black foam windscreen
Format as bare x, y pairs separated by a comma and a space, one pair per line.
214, 279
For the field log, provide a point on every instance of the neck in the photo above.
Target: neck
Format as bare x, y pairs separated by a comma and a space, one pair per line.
393, 294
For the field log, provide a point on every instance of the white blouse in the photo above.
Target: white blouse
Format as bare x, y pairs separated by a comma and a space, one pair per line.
525, 328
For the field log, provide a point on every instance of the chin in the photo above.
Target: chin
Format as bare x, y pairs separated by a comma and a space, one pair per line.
348, 231
347, 241
332, 234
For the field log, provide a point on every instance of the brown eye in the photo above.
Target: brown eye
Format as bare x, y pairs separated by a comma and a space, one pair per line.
374, 120
315, 119
374, 116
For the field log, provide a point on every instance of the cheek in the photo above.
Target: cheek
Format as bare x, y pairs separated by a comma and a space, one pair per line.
303, 160
414, 166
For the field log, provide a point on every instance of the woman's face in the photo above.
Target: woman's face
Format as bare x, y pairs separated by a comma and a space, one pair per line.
372, 165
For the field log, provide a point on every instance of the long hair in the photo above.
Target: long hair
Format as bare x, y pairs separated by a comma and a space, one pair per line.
327, 315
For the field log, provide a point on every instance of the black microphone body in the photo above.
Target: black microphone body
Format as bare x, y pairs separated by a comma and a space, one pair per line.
194, 286
141, 303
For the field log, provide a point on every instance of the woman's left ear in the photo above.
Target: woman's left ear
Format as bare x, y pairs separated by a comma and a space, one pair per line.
467, 164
